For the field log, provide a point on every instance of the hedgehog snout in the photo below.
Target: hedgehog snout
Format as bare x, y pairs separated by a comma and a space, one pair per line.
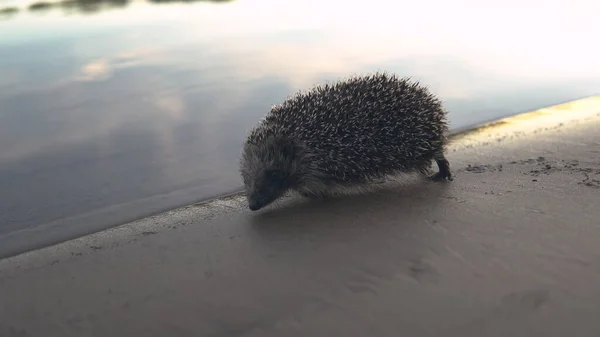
264, 191
253, 198
253, 205
257, 201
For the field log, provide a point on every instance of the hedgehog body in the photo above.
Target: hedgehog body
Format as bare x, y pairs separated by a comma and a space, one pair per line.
344, 135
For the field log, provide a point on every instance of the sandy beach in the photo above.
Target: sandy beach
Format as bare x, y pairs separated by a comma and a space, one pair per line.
511, 247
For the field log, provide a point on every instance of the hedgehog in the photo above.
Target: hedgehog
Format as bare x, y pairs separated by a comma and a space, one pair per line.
342, 136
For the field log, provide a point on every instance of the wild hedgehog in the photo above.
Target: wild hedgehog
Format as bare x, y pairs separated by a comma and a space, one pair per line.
342, 136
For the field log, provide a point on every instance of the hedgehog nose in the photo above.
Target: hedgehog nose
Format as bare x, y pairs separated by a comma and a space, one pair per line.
254, 206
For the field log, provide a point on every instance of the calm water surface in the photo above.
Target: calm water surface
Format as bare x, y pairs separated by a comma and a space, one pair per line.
109, 115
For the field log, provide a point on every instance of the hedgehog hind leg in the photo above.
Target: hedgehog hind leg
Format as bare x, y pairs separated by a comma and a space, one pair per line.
443, 166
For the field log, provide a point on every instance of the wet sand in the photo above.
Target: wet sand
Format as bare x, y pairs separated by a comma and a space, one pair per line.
509, 248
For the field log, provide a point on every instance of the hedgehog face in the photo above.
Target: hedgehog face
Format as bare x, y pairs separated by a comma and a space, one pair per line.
267, 171
266, 187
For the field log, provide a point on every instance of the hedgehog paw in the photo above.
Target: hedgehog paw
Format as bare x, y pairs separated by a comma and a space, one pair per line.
441, 176
444, 170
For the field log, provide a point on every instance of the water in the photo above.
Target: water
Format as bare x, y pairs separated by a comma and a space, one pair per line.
107, 115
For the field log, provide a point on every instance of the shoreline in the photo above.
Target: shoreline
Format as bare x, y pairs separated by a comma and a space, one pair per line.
510, 247
11, 244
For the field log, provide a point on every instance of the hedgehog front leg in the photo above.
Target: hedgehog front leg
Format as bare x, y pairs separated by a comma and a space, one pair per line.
443, 166
314, 190
313, 194
308, 195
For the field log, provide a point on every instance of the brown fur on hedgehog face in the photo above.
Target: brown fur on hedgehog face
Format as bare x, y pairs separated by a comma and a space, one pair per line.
268, 170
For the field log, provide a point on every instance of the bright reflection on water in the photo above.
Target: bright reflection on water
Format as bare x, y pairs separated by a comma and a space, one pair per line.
141, 107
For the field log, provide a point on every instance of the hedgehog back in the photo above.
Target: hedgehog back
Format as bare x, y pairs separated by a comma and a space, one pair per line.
364, 127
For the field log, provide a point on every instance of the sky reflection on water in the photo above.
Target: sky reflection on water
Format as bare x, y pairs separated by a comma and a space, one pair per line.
142, 108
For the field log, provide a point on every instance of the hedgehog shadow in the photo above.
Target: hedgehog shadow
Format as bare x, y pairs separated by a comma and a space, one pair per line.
395, 199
